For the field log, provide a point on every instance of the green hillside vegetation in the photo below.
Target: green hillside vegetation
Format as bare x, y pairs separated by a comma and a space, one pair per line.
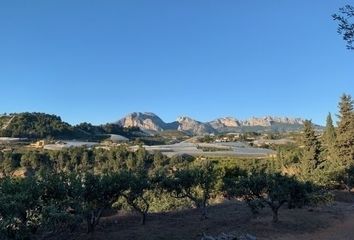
41, 125
35, 125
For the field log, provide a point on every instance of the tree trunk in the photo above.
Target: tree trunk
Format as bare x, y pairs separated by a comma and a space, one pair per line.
93, 220
348, 187
204, 212
275, 215
143, 218
90, 222
98, 217
90, 227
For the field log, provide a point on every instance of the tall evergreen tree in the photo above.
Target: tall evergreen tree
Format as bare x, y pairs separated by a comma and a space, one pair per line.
311, 159
329, 139
345, 131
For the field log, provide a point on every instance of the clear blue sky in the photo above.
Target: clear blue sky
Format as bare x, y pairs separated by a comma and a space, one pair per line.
97, 60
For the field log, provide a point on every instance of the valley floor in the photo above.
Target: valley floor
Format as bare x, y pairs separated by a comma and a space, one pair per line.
333, 222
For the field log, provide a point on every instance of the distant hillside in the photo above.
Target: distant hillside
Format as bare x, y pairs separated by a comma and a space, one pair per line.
41, 125
35, 125
151, 122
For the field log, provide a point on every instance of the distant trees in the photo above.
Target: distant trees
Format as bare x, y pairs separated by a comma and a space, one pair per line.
345, 25
111, 128
9, 161
288, 156
35, 160
206, 139
88, 128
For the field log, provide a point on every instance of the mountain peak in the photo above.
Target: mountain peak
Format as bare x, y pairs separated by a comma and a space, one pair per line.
143, 120
185, 119
189, 125
150, 121
225, 122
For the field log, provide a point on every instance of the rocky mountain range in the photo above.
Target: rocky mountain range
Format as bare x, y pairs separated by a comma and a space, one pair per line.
151, 122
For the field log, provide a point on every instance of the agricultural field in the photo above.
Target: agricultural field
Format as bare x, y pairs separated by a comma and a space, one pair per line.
236, 149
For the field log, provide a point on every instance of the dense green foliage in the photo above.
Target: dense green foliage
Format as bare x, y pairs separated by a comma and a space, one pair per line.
196, 182
345, 131
19, 208
311, 153
329, 139
260, 189
288, 156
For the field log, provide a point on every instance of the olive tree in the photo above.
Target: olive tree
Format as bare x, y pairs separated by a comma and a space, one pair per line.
197, 183
61, 201
135, 195
99, 193
272, 190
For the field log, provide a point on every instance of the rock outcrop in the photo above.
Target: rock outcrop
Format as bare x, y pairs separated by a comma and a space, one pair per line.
151, 122
145, 121
268, 121
225, 122
194, 127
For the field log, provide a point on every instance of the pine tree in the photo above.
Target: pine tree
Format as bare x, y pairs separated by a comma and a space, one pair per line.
311, 159
329, 139
345, 131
